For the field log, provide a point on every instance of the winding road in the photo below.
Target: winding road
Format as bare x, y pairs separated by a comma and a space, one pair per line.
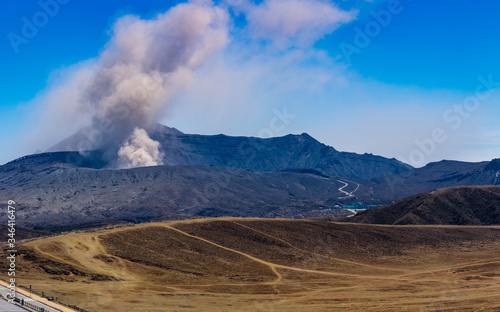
348, 194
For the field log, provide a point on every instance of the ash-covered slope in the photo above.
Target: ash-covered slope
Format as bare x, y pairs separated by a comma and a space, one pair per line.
64, 195
37, 162
290, 176
466, 205
254, 154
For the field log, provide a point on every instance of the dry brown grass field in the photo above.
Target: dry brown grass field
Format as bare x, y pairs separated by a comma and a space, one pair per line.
235, 264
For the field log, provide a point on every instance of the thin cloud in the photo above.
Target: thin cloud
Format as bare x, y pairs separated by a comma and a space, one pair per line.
235, 79
131, 83
289, 23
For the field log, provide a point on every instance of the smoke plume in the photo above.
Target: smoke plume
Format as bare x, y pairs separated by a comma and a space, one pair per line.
150, 63
139, 150
129, 86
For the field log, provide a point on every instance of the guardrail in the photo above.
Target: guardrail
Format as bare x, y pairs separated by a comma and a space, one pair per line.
41, 294
24, 303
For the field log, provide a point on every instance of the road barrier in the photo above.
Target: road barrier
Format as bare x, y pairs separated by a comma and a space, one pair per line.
28, 304
33, 304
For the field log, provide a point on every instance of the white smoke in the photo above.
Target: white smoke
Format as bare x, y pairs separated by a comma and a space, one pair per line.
147, 61
144, 65
131, 83
139, 150
149, 64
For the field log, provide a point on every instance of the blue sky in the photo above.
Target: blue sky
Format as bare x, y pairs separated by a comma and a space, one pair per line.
431, 44
382, 100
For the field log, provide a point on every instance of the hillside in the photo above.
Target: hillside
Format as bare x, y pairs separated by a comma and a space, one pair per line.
293, 176
474, 205
54, 196
255, 154
21, 233
235, 264
56, 191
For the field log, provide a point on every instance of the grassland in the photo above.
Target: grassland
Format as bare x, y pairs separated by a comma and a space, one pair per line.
235, 264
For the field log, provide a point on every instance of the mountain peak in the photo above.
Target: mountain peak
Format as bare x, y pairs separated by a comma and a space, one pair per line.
493, 165
92, 138
255, 154
164, 129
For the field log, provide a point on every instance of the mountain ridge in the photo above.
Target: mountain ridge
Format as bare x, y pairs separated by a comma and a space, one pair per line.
293, 176
252, 153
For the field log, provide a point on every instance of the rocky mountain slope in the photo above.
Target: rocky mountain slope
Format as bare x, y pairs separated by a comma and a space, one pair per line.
60, 194
254, 154
291, 176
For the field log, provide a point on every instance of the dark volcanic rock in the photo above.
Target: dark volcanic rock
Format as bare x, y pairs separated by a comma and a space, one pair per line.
87, 159
70, 196
292, 176
256, 154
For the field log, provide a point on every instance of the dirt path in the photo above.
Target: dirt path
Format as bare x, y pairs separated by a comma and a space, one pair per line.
315, 254
271, 265
275, 266
348, 194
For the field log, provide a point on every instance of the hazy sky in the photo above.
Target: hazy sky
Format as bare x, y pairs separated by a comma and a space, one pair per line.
415, 80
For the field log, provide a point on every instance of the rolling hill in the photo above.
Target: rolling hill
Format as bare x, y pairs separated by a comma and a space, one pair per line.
236, 264
473, 205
